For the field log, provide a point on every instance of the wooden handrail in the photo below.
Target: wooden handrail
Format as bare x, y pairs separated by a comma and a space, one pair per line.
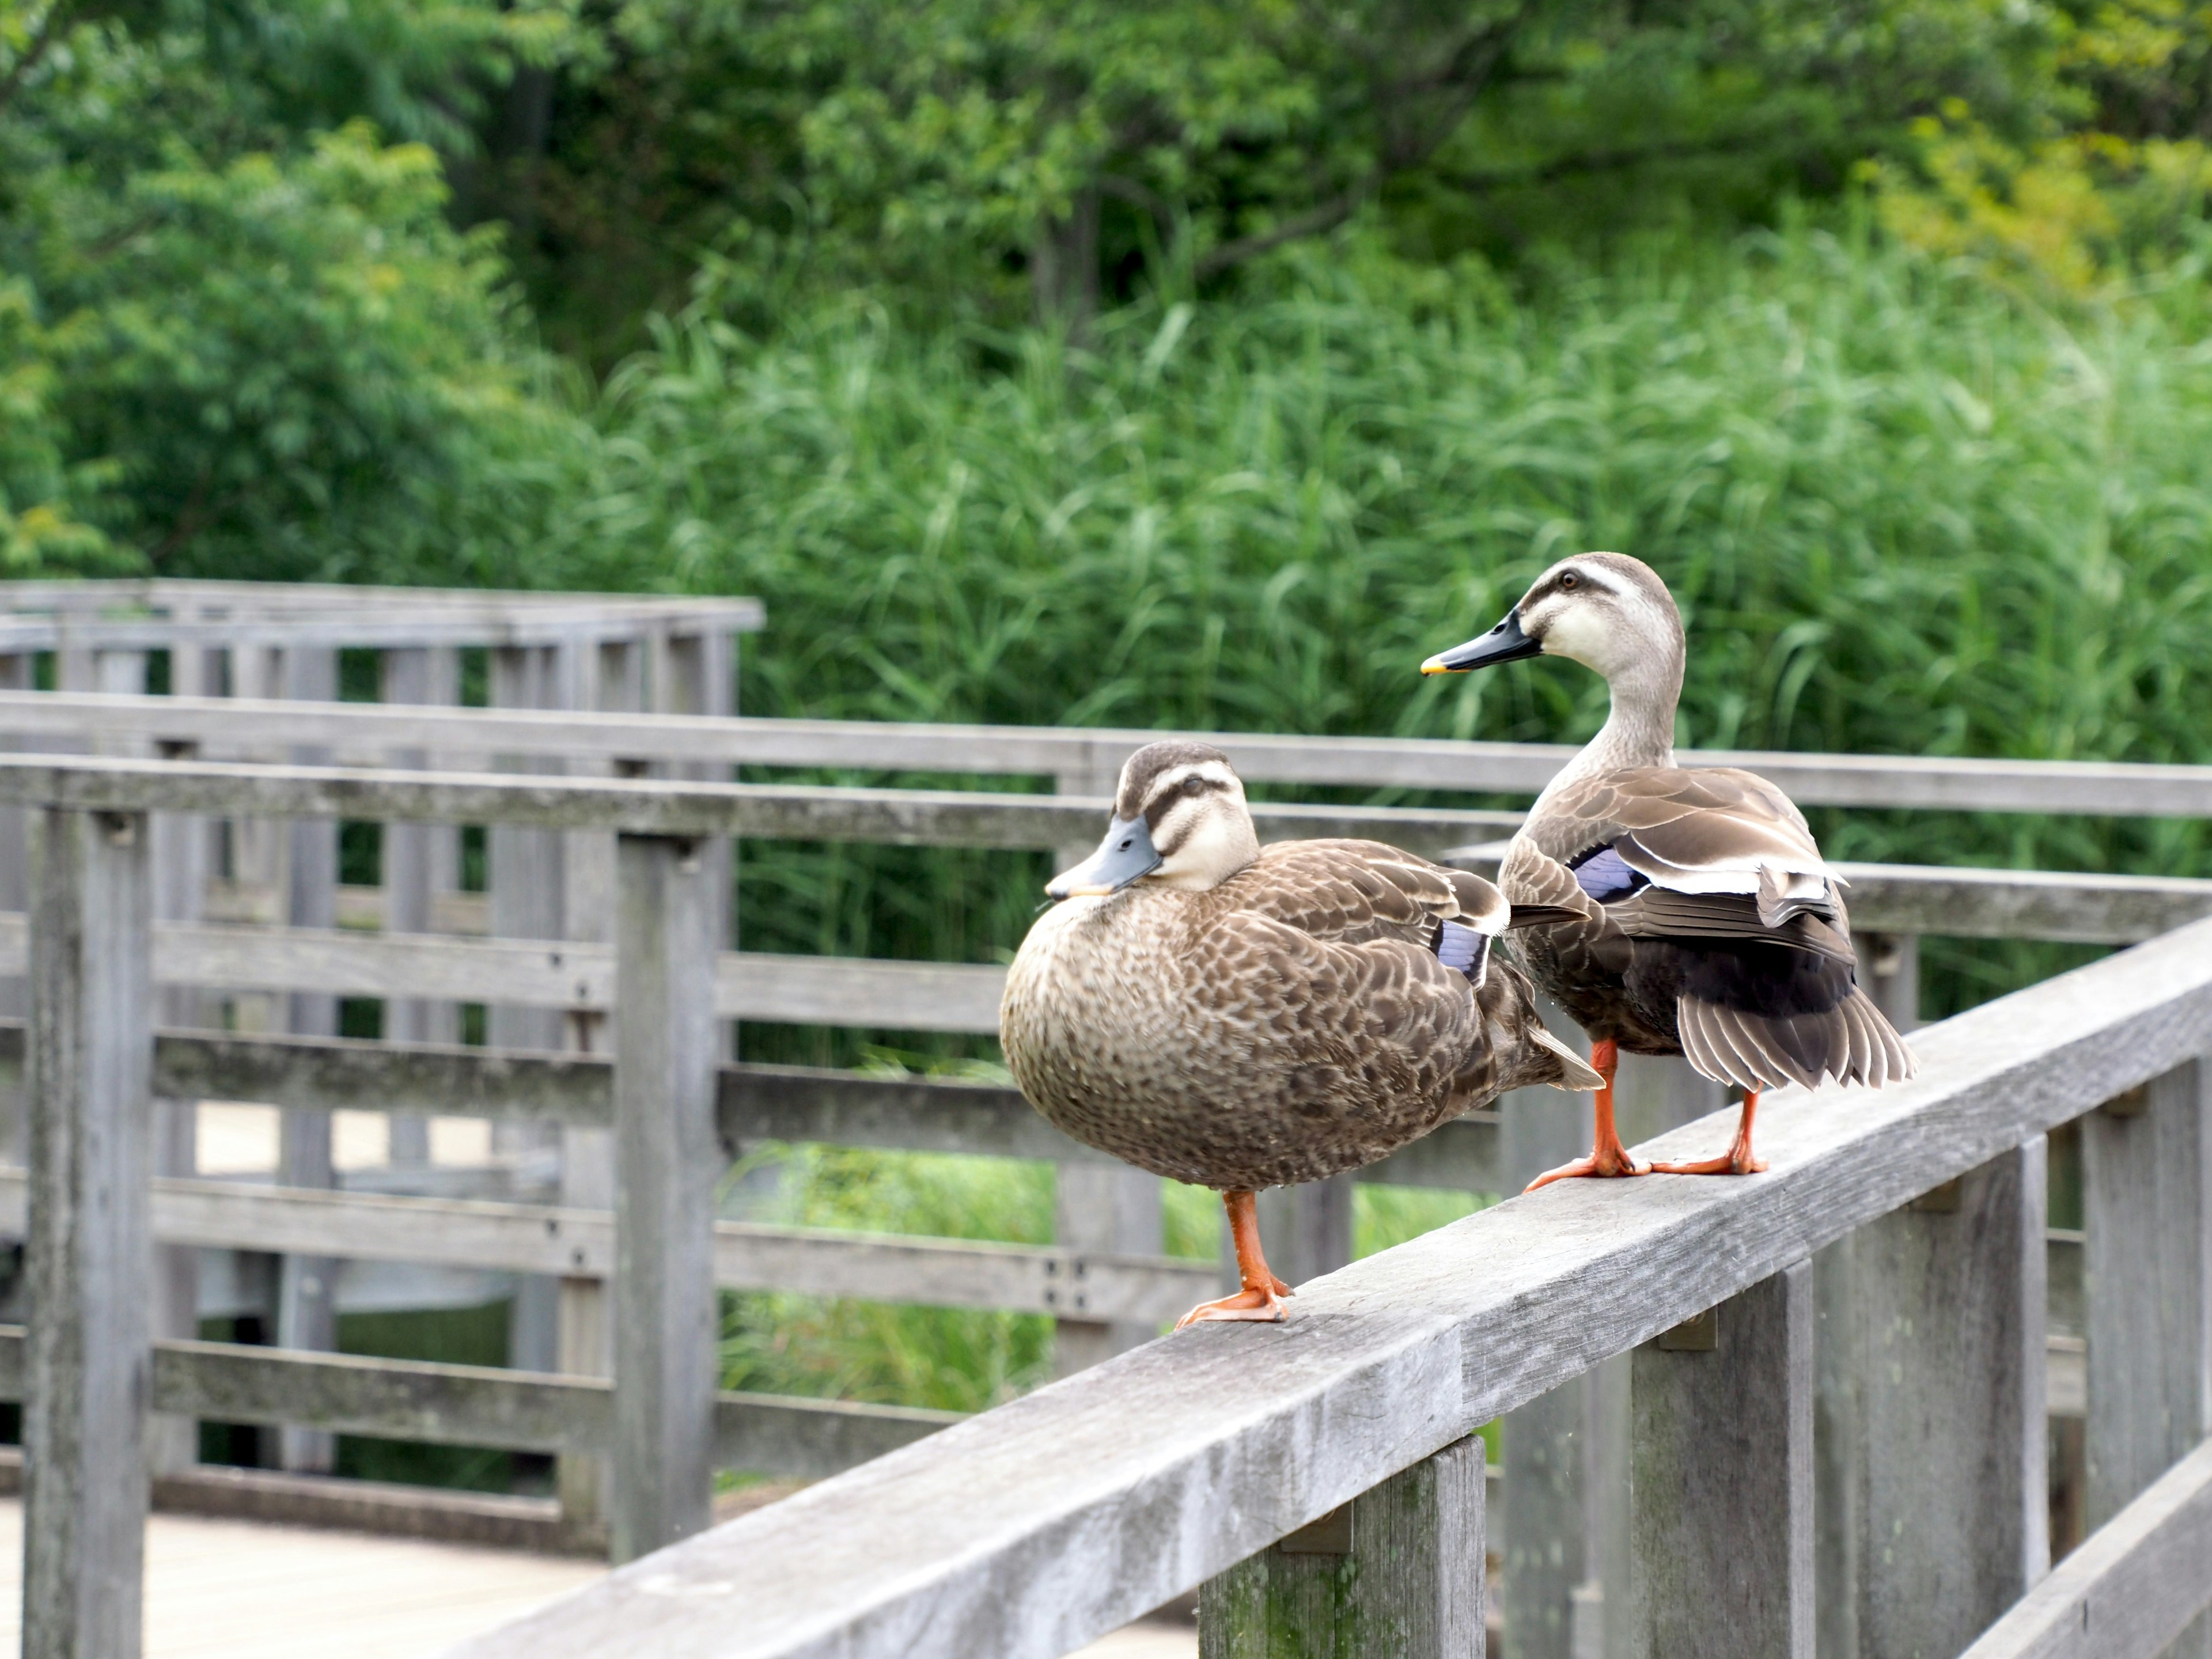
1043, 1524
2110, 788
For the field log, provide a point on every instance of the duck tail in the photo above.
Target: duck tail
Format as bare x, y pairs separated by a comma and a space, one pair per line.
1575, 1073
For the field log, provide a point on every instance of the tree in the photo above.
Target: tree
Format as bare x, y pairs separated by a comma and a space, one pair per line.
237, 330
1004, 153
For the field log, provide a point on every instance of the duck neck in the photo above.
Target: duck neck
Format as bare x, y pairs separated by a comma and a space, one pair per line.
1639, 730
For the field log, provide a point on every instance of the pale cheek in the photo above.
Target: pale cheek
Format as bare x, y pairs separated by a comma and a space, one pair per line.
1580, 636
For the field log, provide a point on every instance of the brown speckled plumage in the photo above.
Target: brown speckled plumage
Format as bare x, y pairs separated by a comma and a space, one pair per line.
1290, 1022
1711, 926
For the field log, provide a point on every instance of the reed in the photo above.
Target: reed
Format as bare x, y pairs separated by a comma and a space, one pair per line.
1907, 510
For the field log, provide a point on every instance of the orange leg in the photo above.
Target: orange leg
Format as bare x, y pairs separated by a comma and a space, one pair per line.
1261, 1298
1737, 1160
1607, 1157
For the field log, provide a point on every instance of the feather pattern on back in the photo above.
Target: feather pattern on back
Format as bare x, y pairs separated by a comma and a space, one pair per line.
1710, 925
1292, 1021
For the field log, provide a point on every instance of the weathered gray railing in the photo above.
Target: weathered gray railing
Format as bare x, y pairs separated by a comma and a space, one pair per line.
1476, 1154
264, 641
1040, 1524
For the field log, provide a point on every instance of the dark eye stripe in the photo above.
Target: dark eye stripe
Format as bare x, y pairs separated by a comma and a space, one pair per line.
1156, 807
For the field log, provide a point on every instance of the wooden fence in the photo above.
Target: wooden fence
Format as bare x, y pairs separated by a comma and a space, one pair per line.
652, 1235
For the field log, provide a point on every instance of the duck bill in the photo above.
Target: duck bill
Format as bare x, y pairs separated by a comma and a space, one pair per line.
1503, 643
1126, 855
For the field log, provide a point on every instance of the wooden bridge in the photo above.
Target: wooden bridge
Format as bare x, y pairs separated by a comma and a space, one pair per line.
1814, 1412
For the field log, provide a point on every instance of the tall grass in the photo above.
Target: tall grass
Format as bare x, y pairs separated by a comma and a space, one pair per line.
1905, 511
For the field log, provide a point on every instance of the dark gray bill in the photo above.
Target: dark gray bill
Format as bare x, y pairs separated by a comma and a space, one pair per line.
1126, 854
1503, 643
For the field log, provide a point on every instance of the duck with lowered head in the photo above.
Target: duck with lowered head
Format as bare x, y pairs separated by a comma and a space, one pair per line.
1240, 1017
1705, 922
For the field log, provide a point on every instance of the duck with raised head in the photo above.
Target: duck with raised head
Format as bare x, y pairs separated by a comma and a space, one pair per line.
1240, 1017
1706, 923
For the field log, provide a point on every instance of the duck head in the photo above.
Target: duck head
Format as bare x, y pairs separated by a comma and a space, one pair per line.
1180, 819
1605, 610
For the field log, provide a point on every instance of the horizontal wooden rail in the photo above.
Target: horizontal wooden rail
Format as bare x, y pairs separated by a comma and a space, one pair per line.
1167, 1465
540, 1238
482, 1405
749, 985
2130, 1588
380, 617
915, 817
756, 1103
2110, 788
964, 996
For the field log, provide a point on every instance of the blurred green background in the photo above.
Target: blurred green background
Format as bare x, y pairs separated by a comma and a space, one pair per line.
1158, 364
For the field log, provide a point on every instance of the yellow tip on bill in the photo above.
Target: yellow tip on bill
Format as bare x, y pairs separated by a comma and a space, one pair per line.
1436, 665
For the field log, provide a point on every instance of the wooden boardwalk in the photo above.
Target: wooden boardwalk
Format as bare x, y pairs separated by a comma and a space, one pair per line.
245, 1591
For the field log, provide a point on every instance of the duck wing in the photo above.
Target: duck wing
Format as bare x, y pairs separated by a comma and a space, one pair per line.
1351, 891
1713, 854
1706, 890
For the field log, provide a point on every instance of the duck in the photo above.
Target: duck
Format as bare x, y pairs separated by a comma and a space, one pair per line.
1239, 1017
1704, 921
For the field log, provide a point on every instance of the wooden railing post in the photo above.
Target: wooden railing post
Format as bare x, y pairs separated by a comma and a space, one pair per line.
1565, 1522
609, 677
1106, 1207
666, 1161
1721, 1512
1934, 1445
307, 1286
1397, 1573
90, 1250
2147, 1218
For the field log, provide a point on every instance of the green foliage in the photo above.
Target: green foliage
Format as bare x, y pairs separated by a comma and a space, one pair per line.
1905, 512
237, 330
994, 157
955, 1360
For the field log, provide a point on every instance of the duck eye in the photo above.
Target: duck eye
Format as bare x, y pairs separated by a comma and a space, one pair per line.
1192, 784
1570, 581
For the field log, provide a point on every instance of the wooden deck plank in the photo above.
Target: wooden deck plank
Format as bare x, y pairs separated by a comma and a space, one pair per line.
247, 1591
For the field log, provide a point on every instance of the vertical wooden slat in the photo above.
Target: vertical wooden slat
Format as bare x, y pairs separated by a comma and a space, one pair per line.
529, 885
182, 845
1889, 970
180, 877
16, 675
2147, 1204
414, 857
695, 673
307, 1286
1566, 1555
86, 1360
1721, 1525
1397, 1573
1934, 1440
1306, 1229
666, 1160
1542, 1554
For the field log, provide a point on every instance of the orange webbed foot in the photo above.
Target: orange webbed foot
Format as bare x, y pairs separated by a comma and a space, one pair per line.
1737, 1160
1254, 1304
1727, 1164
1593, 1168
